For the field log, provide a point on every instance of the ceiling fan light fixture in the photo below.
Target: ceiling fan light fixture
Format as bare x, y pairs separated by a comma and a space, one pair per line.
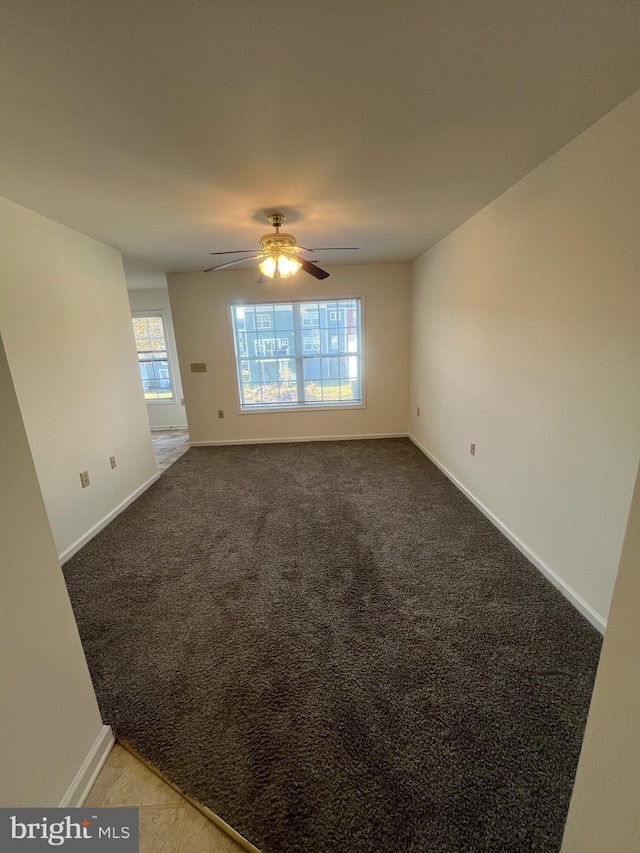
288, 266
268, 267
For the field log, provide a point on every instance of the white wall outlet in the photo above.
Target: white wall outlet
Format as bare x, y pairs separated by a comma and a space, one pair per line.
112, 460
84, 479
182, 401
472, 449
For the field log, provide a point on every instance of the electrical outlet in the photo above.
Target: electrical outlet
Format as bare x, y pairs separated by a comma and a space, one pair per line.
472, 449
182, 401
112, 459
84, 479
418, 411
220, 413
199, 367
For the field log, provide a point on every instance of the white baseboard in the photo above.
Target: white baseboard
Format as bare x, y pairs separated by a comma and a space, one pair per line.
297, 438
88, 773
168, 428
570, 594
92, 531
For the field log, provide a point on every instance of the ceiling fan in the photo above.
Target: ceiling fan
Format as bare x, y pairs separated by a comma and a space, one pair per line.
280, 256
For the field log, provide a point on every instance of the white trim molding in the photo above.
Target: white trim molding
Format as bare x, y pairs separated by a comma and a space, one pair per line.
570, 594
100, 525
88, 773
297, 438
168, 428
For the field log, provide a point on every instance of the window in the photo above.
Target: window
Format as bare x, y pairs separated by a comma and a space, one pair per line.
311, 342
263, 321
313, 360
153, 359
265, 347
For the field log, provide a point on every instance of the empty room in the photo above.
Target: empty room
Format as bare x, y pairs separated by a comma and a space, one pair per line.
320, 365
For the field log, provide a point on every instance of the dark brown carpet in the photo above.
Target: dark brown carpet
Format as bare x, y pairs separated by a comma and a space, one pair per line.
330, 647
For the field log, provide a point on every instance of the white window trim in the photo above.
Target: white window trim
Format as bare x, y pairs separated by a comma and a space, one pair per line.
307, 406
168, 401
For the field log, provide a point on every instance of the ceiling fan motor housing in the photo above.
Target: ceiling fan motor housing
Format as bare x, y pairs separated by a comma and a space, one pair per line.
271, 242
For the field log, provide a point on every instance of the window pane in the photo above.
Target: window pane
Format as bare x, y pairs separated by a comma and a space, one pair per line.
287, 370
312, 368
309, 314
252, 393
268, 371
349, 390
284, 318
312, 392
311, 340
154, 325
152, 355
250, 339
330, 368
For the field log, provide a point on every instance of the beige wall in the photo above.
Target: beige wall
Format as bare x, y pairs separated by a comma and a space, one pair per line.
50, 719
605, 807
66, 325
201, 316
526, 341
157, 299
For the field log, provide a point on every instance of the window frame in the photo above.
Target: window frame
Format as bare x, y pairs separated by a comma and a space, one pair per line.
167, 401
304, 406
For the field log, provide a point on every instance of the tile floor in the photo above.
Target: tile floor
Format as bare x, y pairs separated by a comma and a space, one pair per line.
168, 822
169, 445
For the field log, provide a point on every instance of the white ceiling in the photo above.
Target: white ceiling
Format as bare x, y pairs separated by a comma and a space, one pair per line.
168, 129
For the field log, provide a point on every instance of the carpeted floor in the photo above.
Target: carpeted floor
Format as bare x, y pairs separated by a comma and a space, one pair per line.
330, 647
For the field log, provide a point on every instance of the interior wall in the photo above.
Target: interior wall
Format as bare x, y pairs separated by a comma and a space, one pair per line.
525, 341
66, 324
605, 805
50, 718
171, 414
201, 315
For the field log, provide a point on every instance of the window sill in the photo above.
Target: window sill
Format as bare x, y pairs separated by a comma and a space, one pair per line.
301, 407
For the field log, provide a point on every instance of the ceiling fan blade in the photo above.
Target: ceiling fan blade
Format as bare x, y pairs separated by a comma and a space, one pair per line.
234, 252
262, 279
316, 272
231, 263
